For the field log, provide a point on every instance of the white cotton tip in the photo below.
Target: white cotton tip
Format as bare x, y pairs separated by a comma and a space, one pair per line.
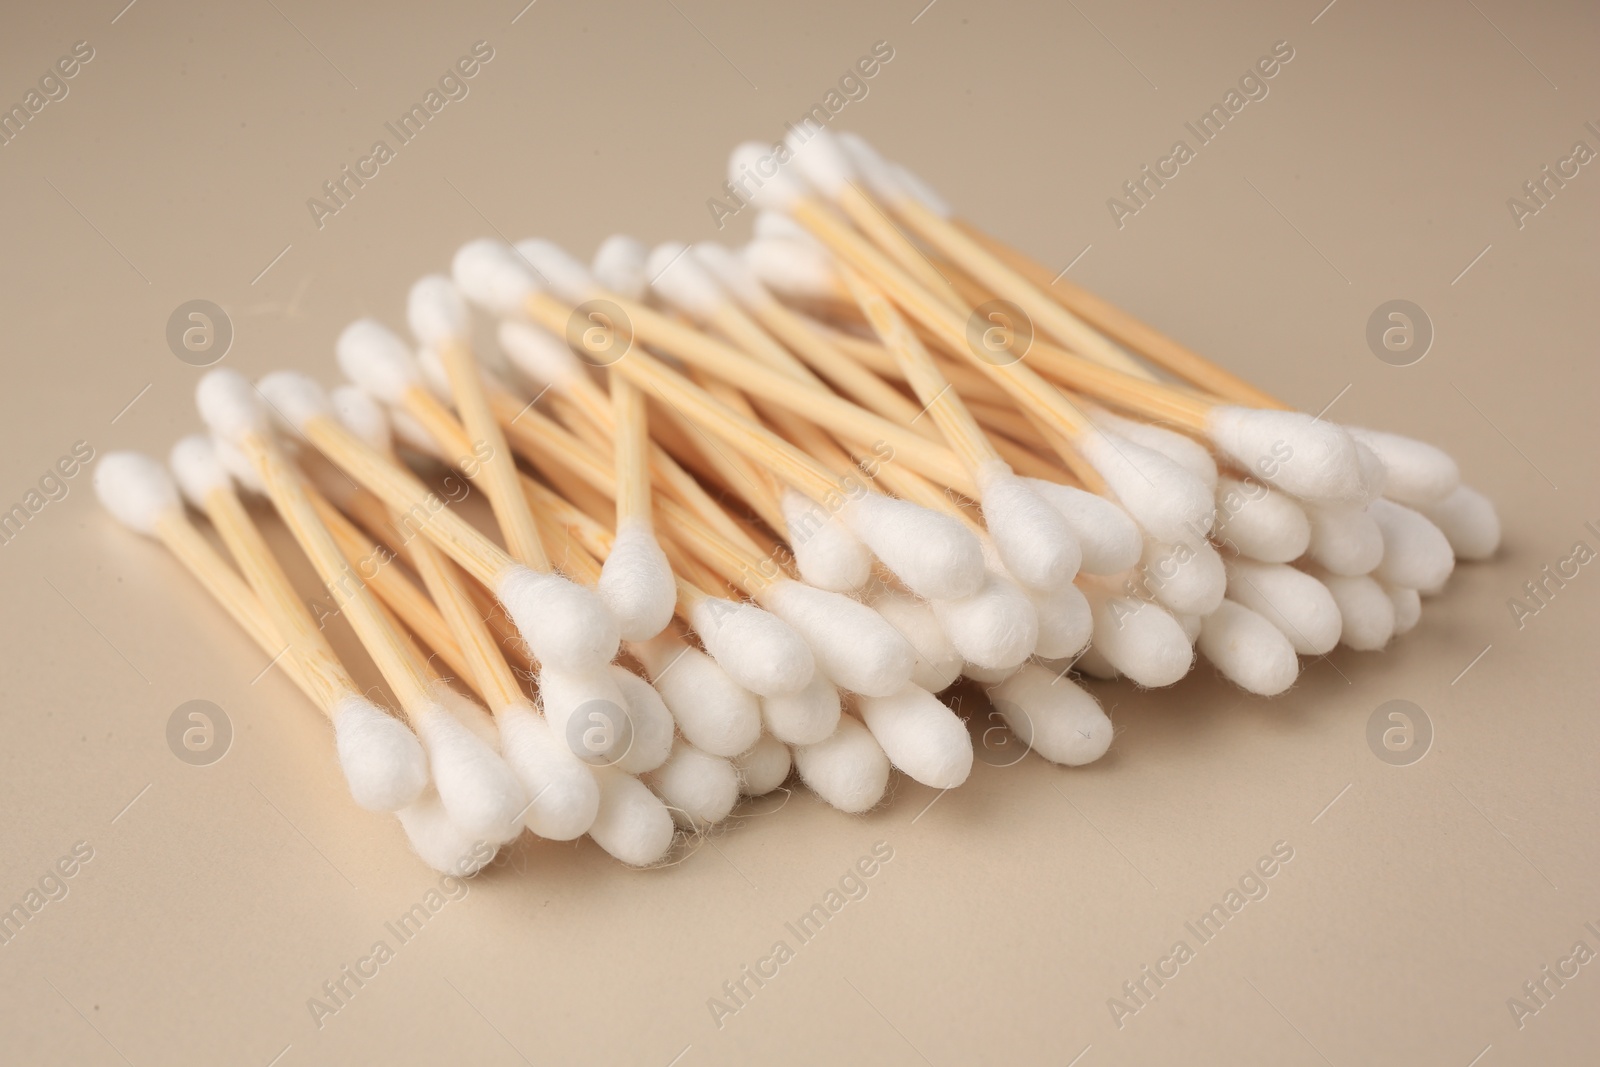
293, 397
1107, 536
1182, 449
732, 274
1092, 662
563, 796
759, 650
197, 469
439, 842
540, 354
469, 713
1291, 600
1365, 609
933, 554
938, 663
1469, 522
798, 270
682, 283
773, 186
820, 159
1346, 540
854, 646
1168, 501
828, 554
921, 736
1139, 639
136, 489
781, 227
363, 416
238, 465
565, 624
636, 582
806, 717
1065, 622
1374, 476
877, 173
633, 825
652, 723
764, 768
230, 405
1248, 649
375, 358
1416, 553
1053, 716
997, 627
714, 711
1257, 521
847, 769
436, 312
700, 789
563, 272
488, 273
587, 710
1310, 458
922, 192
619, 266
1035, 541
479, 791
988, 676
1407, 608
1187, 578
382, 760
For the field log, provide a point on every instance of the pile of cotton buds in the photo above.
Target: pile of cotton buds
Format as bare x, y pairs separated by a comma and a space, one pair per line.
753, 510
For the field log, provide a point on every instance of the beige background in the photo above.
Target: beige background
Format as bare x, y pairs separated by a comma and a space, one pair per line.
1378, 167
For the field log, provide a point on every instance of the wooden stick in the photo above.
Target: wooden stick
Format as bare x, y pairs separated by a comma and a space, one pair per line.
390, 650
1054, 319
411, 502
1125, 328
940, 401
632, 451
394, 589
498, 469
285, 611
873, 221
184, 541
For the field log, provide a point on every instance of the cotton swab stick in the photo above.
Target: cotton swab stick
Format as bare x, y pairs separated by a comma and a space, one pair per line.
1034, 539
700, 789
478, 789
382, 762
438, 317
564, 624
636, 580
1291, 600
